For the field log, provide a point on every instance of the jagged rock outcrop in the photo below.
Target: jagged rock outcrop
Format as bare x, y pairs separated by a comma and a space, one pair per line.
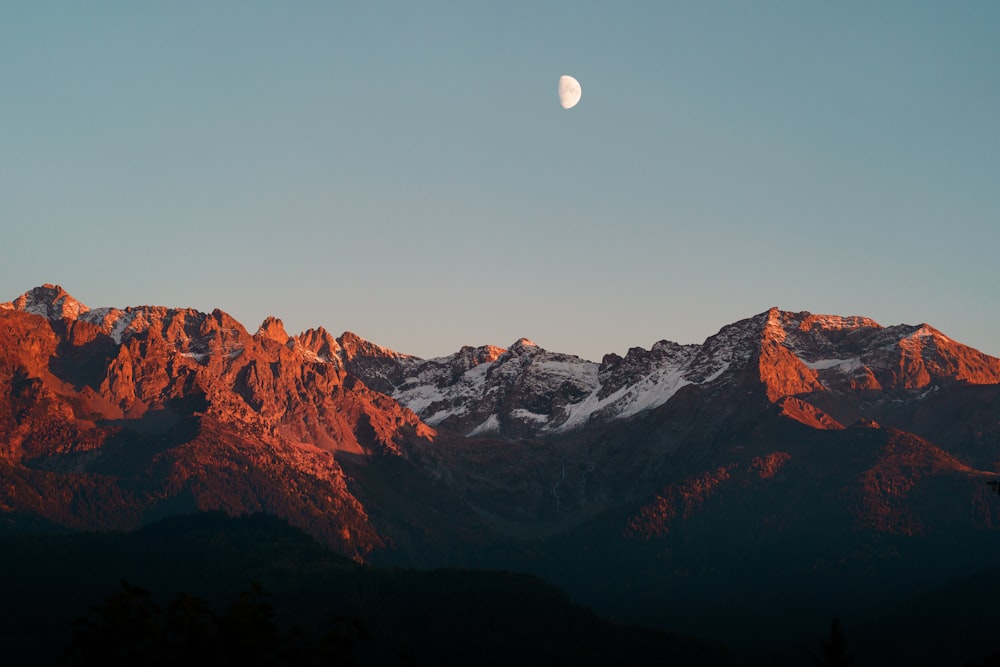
274, 329
49, 301
78, 383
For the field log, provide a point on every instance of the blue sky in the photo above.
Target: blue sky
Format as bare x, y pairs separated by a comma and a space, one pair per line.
404, 170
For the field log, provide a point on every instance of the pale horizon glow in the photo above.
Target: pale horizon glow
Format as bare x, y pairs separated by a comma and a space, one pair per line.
402, 171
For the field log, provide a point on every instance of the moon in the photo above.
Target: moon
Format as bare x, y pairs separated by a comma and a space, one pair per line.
569, 91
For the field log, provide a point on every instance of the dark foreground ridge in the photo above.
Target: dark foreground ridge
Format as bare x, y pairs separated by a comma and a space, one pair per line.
211, 585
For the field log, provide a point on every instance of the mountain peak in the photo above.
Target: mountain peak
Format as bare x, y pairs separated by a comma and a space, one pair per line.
522, 348
319, 343
835, 322
481, 355
354, 345
925, 330
274, 329
49, 301
780, 323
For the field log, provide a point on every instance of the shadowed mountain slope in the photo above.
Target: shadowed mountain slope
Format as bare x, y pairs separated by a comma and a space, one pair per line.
343, 612
794, 462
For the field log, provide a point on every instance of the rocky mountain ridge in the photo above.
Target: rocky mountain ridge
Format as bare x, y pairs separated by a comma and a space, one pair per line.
166, 394
526, 391
813, 444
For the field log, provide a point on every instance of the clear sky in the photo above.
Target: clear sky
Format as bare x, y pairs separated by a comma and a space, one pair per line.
404, 169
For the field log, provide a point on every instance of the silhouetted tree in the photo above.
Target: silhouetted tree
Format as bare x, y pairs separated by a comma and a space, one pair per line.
248, 629
339, 641
190, 629
130, 629
122, 631
834, 648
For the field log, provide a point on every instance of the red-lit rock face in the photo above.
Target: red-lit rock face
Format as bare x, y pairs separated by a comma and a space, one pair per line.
77, 382
111, 417
808, 352
270, 384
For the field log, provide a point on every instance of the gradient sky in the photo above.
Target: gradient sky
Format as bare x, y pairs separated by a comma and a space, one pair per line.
404, 170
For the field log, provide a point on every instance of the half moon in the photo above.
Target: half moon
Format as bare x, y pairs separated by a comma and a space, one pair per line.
569, 91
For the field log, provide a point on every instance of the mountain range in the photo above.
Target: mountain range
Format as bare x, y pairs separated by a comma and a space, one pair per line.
791, 466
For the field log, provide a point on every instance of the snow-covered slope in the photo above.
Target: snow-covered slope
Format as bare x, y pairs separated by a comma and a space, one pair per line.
526, 391
49, 301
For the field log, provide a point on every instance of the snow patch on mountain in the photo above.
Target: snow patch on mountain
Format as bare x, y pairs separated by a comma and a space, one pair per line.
50, 301
844, 365
432, 386
121, 325
118, 323
441, 415
716, 374
647, 393
927, 331
521, 413
548, 392
488, 427
528, 390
